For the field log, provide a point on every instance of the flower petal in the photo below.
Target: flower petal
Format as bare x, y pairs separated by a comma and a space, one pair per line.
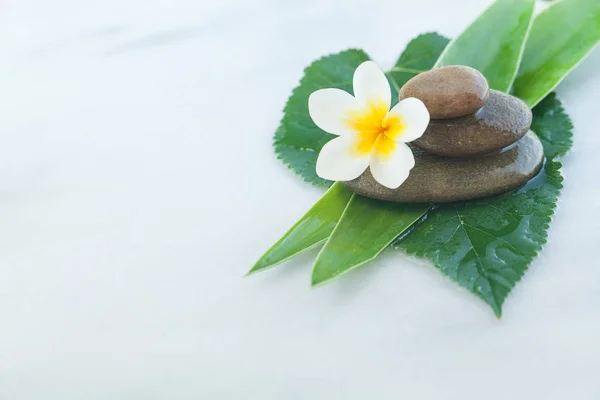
339, 160
329, 109
370, 85
414, 116
392, 170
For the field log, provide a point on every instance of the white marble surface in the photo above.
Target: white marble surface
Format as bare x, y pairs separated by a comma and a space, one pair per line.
138, 184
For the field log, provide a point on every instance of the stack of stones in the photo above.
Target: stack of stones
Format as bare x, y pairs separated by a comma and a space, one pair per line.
477, 144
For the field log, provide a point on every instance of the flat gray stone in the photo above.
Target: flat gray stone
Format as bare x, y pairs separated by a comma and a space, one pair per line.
437, 179
448, 92
501, 122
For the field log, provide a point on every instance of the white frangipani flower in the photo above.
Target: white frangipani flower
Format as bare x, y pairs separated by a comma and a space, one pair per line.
370, 134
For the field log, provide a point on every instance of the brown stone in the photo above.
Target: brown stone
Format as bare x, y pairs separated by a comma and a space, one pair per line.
448, 92
437, 179
501, 122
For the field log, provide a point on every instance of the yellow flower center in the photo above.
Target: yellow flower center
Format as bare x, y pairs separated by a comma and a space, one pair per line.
376, 129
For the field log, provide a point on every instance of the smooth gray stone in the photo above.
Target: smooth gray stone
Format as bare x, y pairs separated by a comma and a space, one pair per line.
437, 179
448, 92
501, 122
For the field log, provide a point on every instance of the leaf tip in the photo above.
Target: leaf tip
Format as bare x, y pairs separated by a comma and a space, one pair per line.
257, 267
252, 270
317, 279
496, 307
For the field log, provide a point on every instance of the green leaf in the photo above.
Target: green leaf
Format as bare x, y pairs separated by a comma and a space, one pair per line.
486, 246
422, 52
551, 123
365, 229
301, 160
313, 228
494, 42
561, 36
